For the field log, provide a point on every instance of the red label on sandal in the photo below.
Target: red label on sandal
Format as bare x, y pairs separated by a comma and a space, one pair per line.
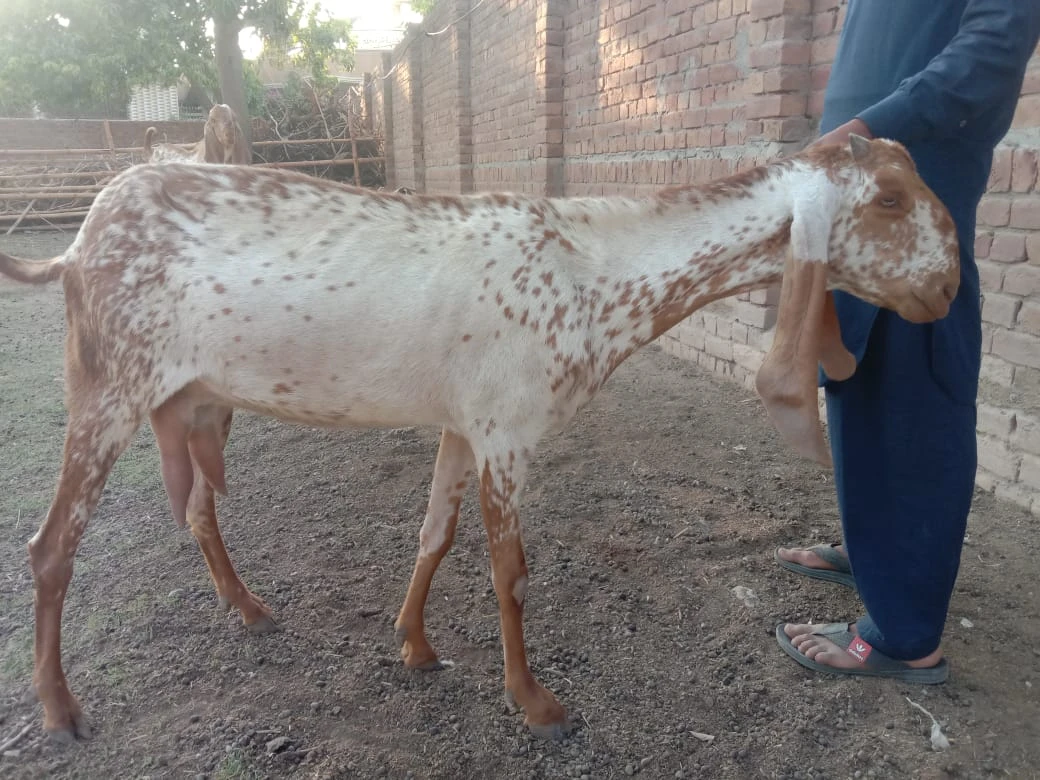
859, 649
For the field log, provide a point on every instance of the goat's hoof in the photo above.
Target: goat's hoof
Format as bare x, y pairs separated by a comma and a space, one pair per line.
511, 706
76, 728
415, 656
263, 625
553, 732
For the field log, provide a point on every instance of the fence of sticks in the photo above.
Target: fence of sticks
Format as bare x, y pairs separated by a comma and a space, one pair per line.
42, 189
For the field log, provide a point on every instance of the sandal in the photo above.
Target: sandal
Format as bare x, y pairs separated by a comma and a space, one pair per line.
873, 663
840, 574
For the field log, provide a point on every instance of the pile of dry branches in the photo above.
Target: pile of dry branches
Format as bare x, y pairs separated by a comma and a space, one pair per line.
322, 130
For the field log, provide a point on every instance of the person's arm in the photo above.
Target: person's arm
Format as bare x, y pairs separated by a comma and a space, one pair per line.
981, 68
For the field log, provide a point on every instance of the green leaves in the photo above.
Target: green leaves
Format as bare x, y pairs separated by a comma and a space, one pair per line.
72, 55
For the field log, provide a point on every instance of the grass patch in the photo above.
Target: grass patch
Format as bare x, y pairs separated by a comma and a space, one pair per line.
236, 766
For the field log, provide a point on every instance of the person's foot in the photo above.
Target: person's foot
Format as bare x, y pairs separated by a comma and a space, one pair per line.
807, 557
818, 648
827, 562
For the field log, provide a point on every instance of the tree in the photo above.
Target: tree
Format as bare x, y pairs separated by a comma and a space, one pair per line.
75, 54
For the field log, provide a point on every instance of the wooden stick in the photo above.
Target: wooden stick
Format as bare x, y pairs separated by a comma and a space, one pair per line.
353, 151
315, 141
318, 163
108, 138
15, 223
56, 175
64, 188
8, 744
50, 214
58, 194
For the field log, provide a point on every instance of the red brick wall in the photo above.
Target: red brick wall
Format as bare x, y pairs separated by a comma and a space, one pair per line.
624, 96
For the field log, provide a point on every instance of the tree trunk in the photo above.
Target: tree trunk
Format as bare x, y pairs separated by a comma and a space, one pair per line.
230, 74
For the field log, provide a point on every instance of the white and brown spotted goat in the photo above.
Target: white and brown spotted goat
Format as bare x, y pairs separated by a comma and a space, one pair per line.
222, 142
194, 290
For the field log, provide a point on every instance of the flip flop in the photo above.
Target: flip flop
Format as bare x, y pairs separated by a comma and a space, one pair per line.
841, 574
872, 662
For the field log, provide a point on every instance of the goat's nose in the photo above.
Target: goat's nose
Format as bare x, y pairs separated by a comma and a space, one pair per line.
950, 291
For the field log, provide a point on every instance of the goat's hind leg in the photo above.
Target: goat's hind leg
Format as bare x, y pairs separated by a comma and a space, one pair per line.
450, 476
94, 440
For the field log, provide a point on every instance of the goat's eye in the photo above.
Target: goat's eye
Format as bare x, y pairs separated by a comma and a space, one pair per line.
889, 202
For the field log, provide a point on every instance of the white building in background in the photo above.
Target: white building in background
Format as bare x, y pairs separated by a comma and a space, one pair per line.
154, 104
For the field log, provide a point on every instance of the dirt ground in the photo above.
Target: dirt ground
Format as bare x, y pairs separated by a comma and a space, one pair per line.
665, 494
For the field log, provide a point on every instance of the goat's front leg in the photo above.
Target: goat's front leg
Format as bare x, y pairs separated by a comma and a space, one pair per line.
501, 482
450, 477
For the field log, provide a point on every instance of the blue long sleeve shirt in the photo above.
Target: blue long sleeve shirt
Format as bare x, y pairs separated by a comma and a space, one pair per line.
942, 77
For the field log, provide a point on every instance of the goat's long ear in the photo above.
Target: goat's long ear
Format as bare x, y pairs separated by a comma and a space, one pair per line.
807, 334
213, 149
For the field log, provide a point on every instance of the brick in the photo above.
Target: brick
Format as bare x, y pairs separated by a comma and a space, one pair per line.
1023, 170
1015, 492
1000, 173
1008, 247
788, 129
996, 370
824, 24
983, 242
995, 456
1029, 317
775, 106
1033, 247
985, 481
747, 357
1027, 113
994, 210
762, 317
1022, 279
1029, 473
995, 421
1022, 349
785, 79
991, 275
1025, 212
1031, 83
1000, 309
770, 296
1026, 436
771, 54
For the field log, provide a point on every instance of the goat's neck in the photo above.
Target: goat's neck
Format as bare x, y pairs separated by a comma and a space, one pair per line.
689, 246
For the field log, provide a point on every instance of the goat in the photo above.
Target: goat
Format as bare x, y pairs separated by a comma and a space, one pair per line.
194, 290
222, 142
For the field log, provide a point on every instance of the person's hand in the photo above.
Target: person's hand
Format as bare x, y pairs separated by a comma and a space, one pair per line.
840, 134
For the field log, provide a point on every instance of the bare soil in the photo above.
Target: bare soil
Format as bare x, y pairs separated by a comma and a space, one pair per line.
665, 494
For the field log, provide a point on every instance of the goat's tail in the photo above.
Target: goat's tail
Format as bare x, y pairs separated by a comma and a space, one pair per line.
32, 271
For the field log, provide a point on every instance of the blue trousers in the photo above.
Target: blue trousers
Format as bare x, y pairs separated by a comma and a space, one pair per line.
904, 466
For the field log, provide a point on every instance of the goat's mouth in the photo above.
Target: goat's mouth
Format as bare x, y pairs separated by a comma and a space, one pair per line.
927, 306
